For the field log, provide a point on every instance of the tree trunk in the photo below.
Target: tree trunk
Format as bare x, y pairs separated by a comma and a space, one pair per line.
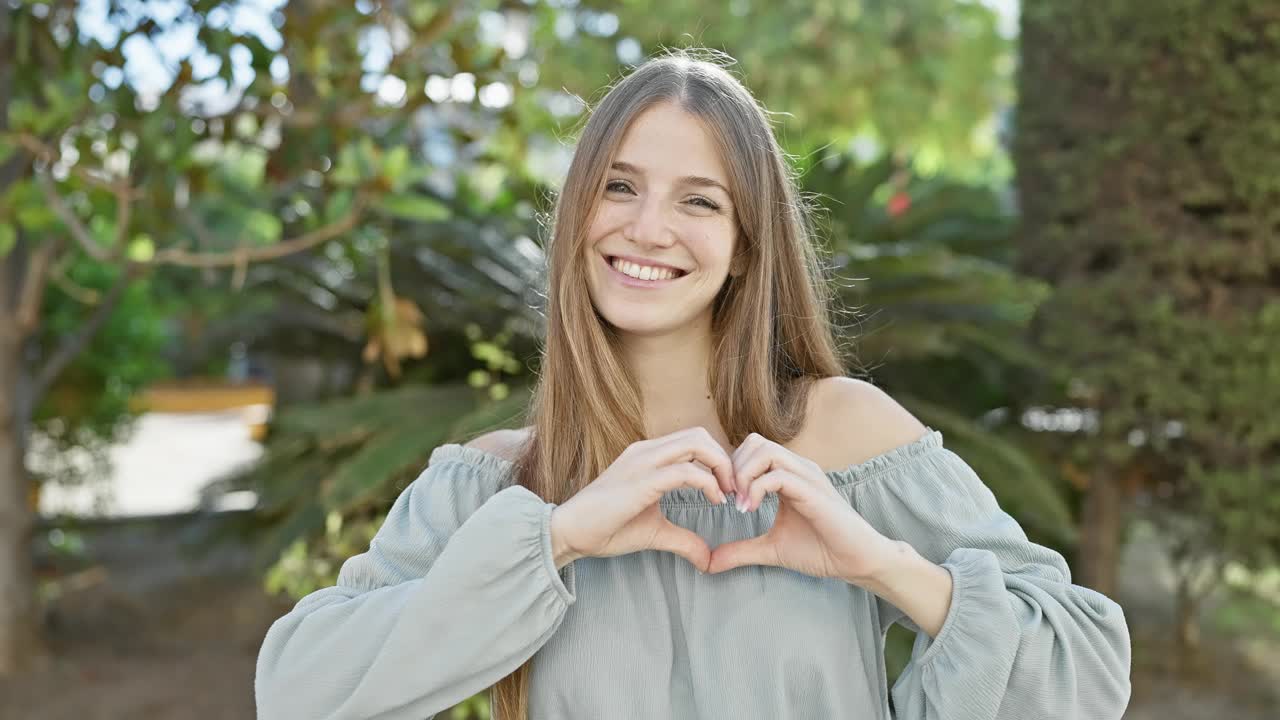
1197, 576
1188, 625
1100, 529
20, 637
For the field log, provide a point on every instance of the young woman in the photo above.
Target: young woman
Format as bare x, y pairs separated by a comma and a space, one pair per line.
704, 518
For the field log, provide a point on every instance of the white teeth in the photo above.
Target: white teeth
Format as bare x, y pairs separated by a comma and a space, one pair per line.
643, 272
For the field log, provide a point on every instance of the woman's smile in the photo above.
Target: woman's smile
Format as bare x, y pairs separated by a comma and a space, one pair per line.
628, 281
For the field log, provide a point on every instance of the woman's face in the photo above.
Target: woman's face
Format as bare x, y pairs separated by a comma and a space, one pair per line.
666, 203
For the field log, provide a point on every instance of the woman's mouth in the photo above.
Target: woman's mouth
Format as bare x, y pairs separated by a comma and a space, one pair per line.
663, 279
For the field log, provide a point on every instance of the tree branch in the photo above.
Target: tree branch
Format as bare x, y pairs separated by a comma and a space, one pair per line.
32, 290
73, 345
77, 228
243, 255
58, 276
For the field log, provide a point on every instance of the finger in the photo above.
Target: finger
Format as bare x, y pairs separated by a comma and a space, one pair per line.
766, 458
724, 481
774, 481
697, 444
689, 474
723, 467
746, 449
683, 542
752, 551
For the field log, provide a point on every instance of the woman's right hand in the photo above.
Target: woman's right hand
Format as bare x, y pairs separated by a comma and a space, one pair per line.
618, 512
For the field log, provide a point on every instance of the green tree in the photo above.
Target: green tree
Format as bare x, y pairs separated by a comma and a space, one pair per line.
921, 74
252, 146
929, 261
1144, 146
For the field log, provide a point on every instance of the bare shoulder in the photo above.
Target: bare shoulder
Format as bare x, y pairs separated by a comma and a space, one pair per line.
506, 443
851, 421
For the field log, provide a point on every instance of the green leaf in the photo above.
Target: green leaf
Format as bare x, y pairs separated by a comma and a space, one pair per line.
394, 166
507, 411
420, 11
413, 207
338, 205
367, 155
384, 458
263, 226
141, 248
8, 238
347, 171
23, 114
36, 217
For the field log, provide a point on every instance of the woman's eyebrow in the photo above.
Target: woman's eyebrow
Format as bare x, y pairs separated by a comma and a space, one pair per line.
695, 180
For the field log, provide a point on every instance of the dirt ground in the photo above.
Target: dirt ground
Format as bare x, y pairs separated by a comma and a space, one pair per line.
151, 634
154, 634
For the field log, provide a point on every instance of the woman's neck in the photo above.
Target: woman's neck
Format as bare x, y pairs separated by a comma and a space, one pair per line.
672, 374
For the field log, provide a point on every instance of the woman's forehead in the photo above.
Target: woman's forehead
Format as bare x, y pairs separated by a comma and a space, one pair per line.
667, 143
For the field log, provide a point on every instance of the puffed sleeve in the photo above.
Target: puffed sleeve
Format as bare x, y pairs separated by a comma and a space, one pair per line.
1019, 639
457, 589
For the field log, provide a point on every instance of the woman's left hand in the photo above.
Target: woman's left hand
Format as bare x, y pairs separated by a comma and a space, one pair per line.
815, 531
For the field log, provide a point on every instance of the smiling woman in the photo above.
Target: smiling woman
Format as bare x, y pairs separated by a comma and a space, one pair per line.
666, 209
704, 518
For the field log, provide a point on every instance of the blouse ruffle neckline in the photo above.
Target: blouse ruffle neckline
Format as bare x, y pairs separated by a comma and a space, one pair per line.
931, 441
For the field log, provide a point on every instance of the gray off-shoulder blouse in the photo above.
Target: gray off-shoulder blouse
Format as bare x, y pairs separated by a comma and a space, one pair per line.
458, 588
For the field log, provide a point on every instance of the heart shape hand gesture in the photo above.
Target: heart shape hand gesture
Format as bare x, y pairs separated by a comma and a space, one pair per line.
815, 530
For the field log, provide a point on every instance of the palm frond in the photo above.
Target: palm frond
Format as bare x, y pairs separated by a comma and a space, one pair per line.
1024, 487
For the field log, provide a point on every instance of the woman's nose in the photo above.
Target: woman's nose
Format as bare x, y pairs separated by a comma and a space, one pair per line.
649, 224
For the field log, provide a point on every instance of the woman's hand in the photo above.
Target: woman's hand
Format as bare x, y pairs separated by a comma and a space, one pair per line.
618, 512
815, 531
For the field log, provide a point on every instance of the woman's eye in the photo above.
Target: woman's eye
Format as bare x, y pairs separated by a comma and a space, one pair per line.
617, 186
703, 202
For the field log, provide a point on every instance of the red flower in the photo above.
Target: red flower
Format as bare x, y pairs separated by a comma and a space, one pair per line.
899, 203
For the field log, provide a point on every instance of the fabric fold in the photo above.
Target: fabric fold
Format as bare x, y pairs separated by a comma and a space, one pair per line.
1019, 640
457, 589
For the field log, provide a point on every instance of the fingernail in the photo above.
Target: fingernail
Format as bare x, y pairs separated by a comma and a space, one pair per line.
742, 504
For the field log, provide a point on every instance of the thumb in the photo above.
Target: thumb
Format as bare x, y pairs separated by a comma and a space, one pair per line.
683, 542
752, 551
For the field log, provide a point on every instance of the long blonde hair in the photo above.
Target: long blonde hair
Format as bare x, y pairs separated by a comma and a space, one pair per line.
773, 334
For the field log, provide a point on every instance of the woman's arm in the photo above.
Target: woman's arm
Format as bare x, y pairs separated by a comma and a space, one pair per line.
1017, 639
449, 598
1005, 634
920, 589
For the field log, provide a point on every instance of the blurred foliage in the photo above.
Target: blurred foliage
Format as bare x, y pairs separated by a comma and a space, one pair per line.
930, 257
498, 361
924, 74
394, 162
341, 126
89, 408
1150, 202
246, 146
332, 468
